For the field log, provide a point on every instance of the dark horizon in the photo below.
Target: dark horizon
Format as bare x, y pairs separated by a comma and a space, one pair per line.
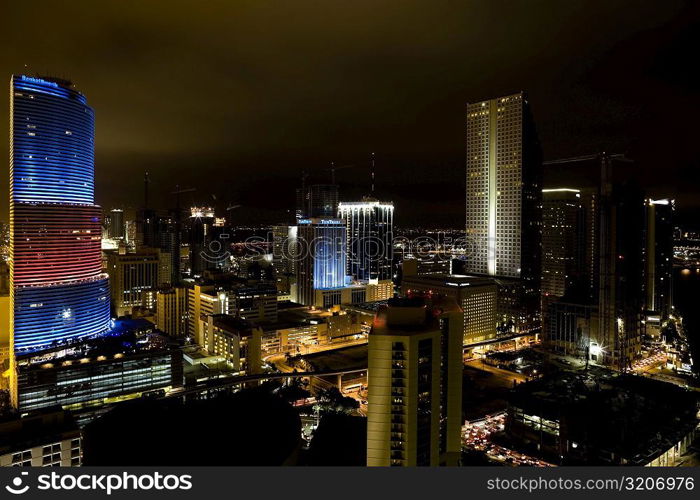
237, 100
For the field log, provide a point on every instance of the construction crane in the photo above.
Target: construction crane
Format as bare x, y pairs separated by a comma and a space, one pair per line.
609, 325
597, 156
178, 192
333, 169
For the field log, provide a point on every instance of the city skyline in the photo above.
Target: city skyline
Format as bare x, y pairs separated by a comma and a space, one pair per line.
262, 127
414, 263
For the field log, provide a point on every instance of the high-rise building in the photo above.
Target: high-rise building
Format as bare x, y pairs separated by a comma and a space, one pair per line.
171, 311
201, 225
659, 260
503, 224
284, 257
476, 297
563, 240
132, 274
146, 229
117, 227
283, 248
503, 188
168, 239
414, 373
317, 200
599, 316
620, 273
322, 249
59, 293
369, 227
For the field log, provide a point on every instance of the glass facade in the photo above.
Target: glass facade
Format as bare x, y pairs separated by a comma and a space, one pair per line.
59, 293
80, 381
370, 235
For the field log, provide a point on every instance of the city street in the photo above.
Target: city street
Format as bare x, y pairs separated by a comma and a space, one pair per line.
503, 377
476, 436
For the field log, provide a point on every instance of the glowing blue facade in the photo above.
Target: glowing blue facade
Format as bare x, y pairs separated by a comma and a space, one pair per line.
322, 246
48, 314
59, 293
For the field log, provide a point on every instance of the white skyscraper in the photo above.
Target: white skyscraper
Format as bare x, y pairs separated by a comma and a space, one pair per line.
503, 192
369, 226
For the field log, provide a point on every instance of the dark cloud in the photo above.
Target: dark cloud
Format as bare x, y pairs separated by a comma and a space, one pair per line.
236, 98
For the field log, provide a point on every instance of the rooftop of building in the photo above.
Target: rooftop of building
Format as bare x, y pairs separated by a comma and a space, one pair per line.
46, 79
321, 221
120, 343
450, 280
231, 282
632, 416
367, 202
366, 307
40, 428
412, 315
233, 325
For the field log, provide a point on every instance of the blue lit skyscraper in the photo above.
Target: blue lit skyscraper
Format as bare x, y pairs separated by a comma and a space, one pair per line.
322, 251
59, 293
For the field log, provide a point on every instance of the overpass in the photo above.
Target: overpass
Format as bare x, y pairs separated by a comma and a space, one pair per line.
223, 383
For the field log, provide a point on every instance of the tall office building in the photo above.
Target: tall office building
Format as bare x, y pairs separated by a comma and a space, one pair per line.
146, 229
503, 202
620, 273
564, 239
171, 311
168, 239
321, 266
503, 188
59, 293
133, 274
659, 261
599, 317
201, 225
414, 374
117, 227
284, 248
369, 226
317, 200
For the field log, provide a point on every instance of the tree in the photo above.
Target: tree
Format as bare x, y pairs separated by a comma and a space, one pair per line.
332, 401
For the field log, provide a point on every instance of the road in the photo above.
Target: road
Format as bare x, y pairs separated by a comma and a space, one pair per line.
476, 435
504, 377
280, 360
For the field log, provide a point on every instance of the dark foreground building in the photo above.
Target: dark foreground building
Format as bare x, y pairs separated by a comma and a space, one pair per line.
602, 418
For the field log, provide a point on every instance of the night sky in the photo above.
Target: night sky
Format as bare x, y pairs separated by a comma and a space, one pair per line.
236, 98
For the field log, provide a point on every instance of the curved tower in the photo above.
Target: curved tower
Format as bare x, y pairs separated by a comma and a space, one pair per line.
59, 293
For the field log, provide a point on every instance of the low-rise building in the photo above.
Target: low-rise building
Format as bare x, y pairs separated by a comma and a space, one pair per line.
476, 296
46, 439
80, 380
602, 418
236, 341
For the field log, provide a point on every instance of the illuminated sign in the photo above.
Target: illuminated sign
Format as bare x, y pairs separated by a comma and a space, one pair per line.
31, 79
